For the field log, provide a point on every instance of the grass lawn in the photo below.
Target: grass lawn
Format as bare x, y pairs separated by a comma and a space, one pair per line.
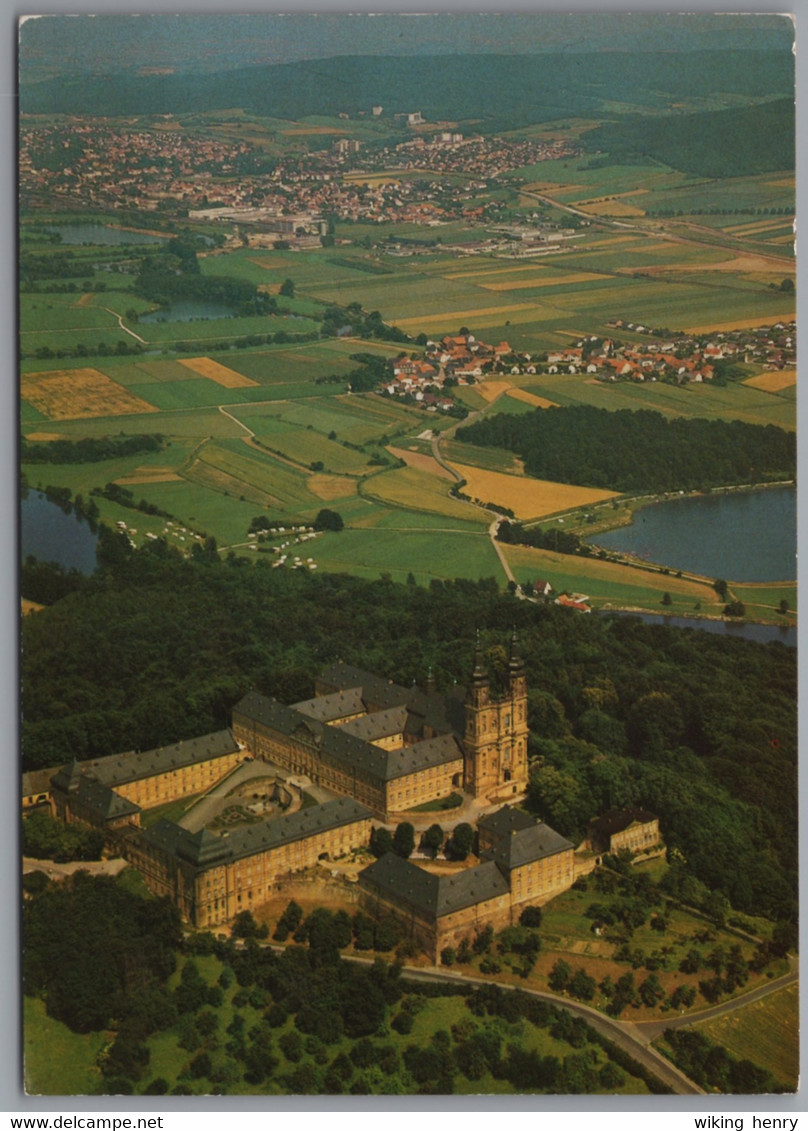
172, 811
57, 1061
425, 553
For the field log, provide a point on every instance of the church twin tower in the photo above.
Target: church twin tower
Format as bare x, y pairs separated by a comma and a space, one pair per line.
495, 740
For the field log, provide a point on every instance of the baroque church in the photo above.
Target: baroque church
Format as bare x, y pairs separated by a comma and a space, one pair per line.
395, 748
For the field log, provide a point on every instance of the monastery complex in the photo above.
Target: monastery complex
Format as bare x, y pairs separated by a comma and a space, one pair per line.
383, 750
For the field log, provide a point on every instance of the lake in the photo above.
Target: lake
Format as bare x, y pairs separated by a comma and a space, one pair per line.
189, 311
740, 536
101, 236
762, 633
51, 535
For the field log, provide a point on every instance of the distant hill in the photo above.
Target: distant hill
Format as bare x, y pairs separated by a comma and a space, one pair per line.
497, 92
724, 143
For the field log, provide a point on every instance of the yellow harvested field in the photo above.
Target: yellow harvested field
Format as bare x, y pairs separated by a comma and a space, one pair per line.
544, 281
764, 264
458, 316
774, 381
73, 394
149, 475
329, 487
492, 389
742, 323
422, 461
756, 226
527, 498
611, 208
30, 606
206, 367
530, 398
45, 437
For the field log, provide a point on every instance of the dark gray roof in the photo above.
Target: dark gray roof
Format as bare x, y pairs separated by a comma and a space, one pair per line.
506, 820
117, 769
434, 896
378, 725
205, 849
377, 692
524, 846
617, 820
340, 744
334, 706
102, 800
37, 781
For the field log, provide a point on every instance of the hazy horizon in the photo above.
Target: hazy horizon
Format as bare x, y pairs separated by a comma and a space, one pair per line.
54, 45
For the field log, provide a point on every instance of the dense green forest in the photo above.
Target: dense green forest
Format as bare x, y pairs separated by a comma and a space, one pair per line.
698, 728
722, 143
638, 451
500, 92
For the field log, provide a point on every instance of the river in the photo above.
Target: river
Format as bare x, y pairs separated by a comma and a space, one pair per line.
737, 535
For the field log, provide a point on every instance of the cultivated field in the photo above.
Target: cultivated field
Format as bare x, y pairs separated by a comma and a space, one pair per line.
413, 489
65, 394
215, 371
526, 497
774, 381
765, 1032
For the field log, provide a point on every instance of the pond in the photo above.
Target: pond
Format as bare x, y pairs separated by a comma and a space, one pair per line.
188, 311
100, 235
740, 535
52, 534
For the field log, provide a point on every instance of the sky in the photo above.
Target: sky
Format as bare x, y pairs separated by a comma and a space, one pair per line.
203, 42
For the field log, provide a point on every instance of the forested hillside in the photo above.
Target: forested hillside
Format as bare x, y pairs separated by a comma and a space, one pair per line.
517, 89
724, 143
638, 451
698, 728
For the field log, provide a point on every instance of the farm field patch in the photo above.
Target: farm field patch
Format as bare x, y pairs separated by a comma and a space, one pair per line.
530, 398
450, 318
306, 447
773, 381
765, 1032
732, 402
491, 459
491, 390
545, 281
331, 487
147, 372
427, 554
421, 461
526, 497
215, 371
413, 489
259, 478
741, 323
76, 393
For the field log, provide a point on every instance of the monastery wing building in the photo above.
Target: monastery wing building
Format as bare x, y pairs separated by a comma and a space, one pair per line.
523, 862
394, 748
